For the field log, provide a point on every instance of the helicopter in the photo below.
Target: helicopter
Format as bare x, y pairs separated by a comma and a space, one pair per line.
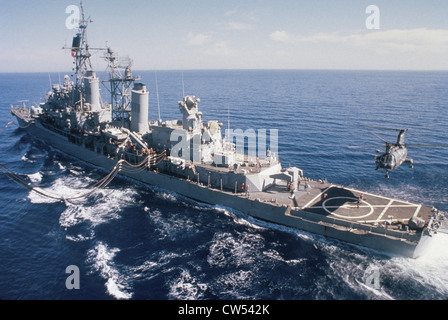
396, 154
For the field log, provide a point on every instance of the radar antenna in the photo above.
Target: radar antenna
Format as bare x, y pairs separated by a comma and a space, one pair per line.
80, 51
120, 88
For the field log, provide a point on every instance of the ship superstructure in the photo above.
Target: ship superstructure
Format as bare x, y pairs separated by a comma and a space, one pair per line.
193, 158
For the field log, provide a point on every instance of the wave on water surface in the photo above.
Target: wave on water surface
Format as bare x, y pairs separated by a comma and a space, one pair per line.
132, 241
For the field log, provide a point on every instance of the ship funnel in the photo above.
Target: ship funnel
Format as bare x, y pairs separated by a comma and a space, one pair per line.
92, 91
139, 104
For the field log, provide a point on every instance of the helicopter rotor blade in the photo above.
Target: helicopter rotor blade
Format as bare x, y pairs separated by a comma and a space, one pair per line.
359, 147
378, 137
426, 145
428, 125
418, 126
383, 128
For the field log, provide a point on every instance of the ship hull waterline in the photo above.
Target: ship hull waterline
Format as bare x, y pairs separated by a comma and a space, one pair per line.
277, 214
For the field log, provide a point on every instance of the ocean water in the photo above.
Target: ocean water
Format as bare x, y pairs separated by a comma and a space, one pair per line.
132, 241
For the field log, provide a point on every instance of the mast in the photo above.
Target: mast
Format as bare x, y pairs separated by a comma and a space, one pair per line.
120, 87
80, 49
158, 104
120, 74
80, 52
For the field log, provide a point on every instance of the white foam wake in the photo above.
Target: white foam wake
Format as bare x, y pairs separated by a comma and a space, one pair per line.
62, 187
187, 287
25, 158
106, 206
35, 177
431, 269
99, 207
101, 257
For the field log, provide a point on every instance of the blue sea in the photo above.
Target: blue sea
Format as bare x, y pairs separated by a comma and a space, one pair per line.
136, 242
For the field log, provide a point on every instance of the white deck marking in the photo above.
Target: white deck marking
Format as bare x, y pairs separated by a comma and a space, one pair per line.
384, 210
347, 206
348, 217
417, 210
383, 220
364, 204
319, 195
370, 194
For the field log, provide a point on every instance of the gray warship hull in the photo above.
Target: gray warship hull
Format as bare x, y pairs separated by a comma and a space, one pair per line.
204, 165
360, 225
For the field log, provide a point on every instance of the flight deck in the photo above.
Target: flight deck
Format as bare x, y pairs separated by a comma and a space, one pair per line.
345, 203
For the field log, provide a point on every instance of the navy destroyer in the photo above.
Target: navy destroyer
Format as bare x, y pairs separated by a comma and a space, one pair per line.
194, 159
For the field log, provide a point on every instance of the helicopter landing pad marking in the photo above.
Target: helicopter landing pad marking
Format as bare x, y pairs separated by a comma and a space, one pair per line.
346, 206
417, 210
317, 197
385, 209
368, 205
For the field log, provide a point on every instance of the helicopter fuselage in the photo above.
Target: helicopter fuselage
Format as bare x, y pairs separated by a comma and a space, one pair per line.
394, 157
396, 154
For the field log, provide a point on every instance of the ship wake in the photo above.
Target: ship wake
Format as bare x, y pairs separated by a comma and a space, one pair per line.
101, 259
